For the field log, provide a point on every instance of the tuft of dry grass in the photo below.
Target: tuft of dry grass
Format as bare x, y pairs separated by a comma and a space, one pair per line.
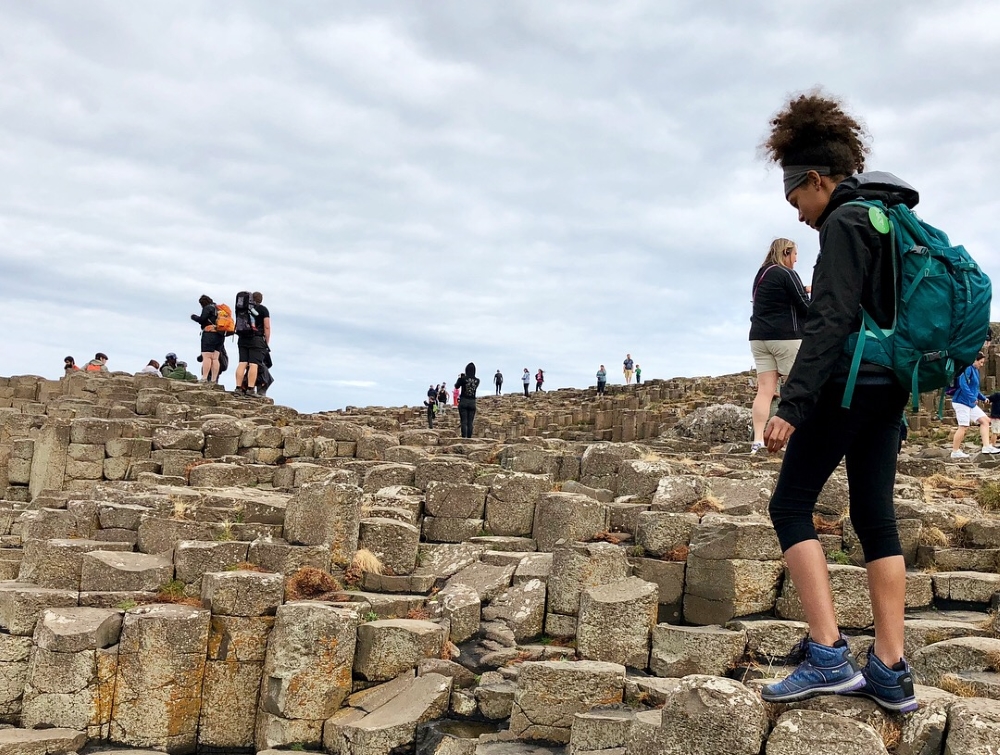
934, 536
310, 583
607, 537
826, 526
364, 561
705, 505
449, 650
680, 553
993, 660
248, 566
944, 482
418, 613
957, 687
890, 730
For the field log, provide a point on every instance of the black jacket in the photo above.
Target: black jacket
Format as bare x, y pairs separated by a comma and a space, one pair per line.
854, 270
780, 304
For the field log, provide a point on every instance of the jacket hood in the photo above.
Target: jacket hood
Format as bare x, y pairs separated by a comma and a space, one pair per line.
876, 185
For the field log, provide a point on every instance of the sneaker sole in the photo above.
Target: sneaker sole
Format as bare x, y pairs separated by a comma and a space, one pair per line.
846, 687
903, 706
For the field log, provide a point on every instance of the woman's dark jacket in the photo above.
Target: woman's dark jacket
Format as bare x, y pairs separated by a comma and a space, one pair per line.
780, 304
467, 388
854, 269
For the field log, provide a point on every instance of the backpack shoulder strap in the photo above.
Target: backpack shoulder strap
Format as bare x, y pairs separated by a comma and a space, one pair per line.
761, 280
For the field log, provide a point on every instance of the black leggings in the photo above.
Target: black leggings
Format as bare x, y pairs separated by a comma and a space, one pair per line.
466, 416
867, 435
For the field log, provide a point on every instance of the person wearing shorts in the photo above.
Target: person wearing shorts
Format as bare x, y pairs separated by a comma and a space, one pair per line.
780, 305
965, 402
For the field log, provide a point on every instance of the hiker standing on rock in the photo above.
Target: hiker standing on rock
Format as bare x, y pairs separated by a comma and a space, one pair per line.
627, 369
820, 149
526, 380
467, 384
211, 341
780, 305
602, 380
498, 381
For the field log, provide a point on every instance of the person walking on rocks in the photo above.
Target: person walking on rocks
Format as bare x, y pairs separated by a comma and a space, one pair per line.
627, 369
467, 384
431, 403
821, 151
498, 381
211, 341
602, 380
780, 306
539, 380
526, 380
965, 402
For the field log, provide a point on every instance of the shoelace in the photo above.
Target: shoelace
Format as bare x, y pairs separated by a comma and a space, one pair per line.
799, 652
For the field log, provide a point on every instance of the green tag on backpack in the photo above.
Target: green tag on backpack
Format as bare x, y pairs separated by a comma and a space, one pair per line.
878, 219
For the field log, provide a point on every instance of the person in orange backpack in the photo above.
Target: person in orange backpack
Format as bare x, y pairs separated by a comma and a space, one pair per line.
211, 340
98, 364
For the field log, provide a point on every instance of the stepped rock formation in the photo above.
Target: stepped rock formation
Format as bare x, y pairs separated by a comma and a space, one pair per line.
181, 570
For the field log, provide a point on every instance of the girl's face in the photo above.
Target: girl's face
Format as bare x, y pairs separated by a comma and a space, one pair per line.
791, 257
811, 198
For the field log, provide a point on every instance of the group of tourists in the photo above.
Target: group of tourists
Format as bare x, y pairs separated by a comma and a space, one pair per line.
629, 369
170, 368
463, 395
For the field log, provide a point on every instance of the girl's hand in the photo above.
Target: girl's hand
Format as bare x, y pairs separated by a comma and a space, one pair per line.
777, 433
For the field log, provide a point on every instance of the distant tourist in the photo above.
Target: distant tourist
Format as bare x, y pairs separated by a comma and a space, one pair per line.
169, 364
430, 401
467, 384
69, 366
180, 372
211, 341
454, 396
498, 381
602, 380
252, 343
98, 364
539, 380
965, 402
627, 369
526, 379
442, 396
994, 399
638, 374
153, 368
780, 305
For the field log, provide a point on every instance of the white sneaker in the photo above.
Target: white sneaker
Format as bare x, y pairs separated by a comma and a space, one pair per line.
991, 450
754, 448
959, 455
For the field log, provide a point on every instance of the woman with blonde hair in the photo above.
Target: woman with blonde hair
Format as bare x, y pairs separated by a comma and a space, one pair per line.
780, 304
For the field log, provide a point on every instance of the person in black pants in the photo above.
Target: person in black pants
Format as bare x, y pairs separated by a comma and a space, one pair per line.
820, 149
430, 402
467, 384
498, 381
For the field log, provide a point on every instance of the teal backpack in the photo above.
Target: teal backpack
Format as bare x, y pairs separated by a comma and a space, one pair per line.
942, 310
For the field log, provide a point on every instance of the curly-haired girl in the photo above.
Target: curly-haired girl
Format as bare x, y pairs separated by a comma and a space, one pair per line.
821, 150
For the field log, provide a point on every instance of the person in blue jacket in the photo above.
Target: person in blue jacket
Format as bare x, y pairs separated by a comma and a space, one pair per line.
965, 403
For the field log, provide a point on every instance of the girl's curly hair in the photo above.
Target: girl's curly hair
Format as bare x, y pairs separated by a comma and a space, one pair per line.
814, 129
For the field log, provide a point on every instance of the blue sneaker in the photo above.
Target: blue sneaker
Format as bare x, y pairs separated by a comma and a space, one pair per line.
892, 688
824, 669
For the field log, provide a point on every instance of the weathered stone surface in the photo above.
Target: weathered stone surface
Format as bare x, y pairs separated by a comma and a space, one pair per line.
394, 724
615, 622
678, 492
808, 731
721, 537
230, 690
550, 693
495, 696
659, 532
460, 604
107, 571
239, 638
922, 731
394, 542
307, 670
71, 630
640, 478
456, 500
716, 423
960, 654
577, 566
192, 558
521, 608
56, 563
770, 640
718, 590
966, 586
600, 463
161, 663
707, 714
326, 512
389, 647
679, 651
444, 529
444, 470
283, 558
487, 580
601, 729
275, 731
850, 597
22, 605
158, 535
242, 593
41, 741
973, 727
176, 439
921, 632
566, 516
510, 504
533, 566
388, 475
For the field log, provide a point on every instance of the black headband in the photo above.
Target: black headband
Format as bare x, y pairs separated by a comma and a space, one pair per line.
795, 175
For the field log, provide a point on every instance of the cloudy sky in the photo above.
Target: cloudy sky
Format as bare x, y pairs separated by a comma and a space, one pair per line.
414, 185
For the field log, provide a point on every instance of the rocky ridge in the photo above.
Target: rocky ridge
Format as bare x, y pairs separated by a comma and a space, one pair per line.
183, 570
